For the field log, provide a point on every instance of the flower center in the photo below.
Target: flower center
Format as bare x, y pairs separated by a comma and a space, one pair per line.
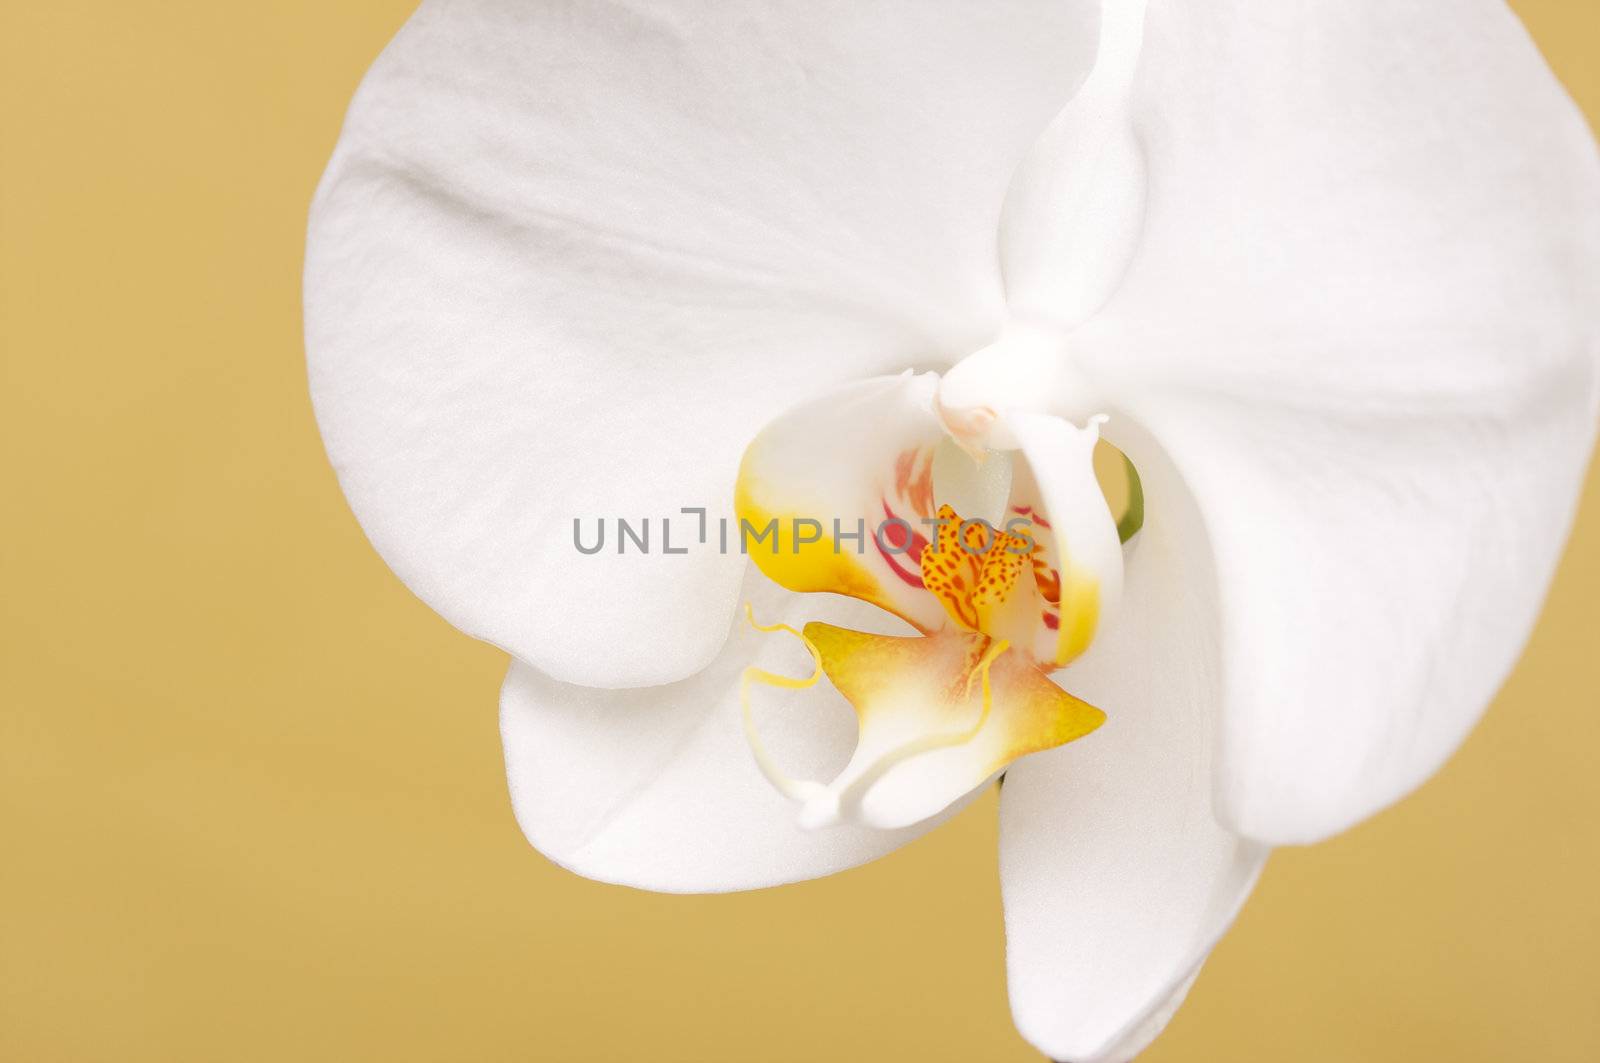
986, 578
1004, 583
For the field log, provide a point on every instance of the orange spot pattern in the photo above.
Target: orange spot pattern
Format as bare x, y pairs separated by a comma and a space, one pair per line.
972, 580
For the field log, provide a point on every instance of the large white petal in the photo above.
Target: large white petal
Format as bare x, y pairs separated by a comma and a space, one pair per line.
1364, 319
570, 256
1117, 878
658, 788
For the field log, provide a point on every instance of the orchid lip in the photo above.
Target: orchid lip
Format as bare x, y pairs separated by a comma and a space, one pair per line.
1006, 586
827, 804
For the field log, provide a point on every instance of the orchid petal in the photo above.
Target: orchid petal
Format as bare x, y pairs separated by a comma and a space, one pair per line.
1116, 878
657, 788
1137, 1038
1362, 320
568, 258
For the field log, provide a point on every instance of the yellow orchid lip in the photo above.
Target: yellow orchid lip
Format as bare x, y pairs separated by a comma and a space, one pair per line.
966, 551
915, 697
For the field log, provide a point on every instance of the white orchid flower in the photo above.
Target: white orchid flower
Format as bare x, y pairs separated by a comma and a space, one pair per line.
1327, 273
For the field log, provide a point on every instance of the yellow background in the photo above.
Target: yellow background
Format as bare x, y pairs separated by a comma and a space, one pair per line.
251, 798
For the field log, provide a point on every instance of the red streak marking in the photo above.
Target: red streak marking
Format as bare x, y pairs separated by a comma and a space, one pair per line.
895, 536
1027, 511
1052, 621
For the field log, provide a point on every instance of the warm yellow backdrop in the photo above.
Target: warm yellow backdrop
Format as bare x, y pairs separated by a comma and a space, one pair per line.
251, 801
